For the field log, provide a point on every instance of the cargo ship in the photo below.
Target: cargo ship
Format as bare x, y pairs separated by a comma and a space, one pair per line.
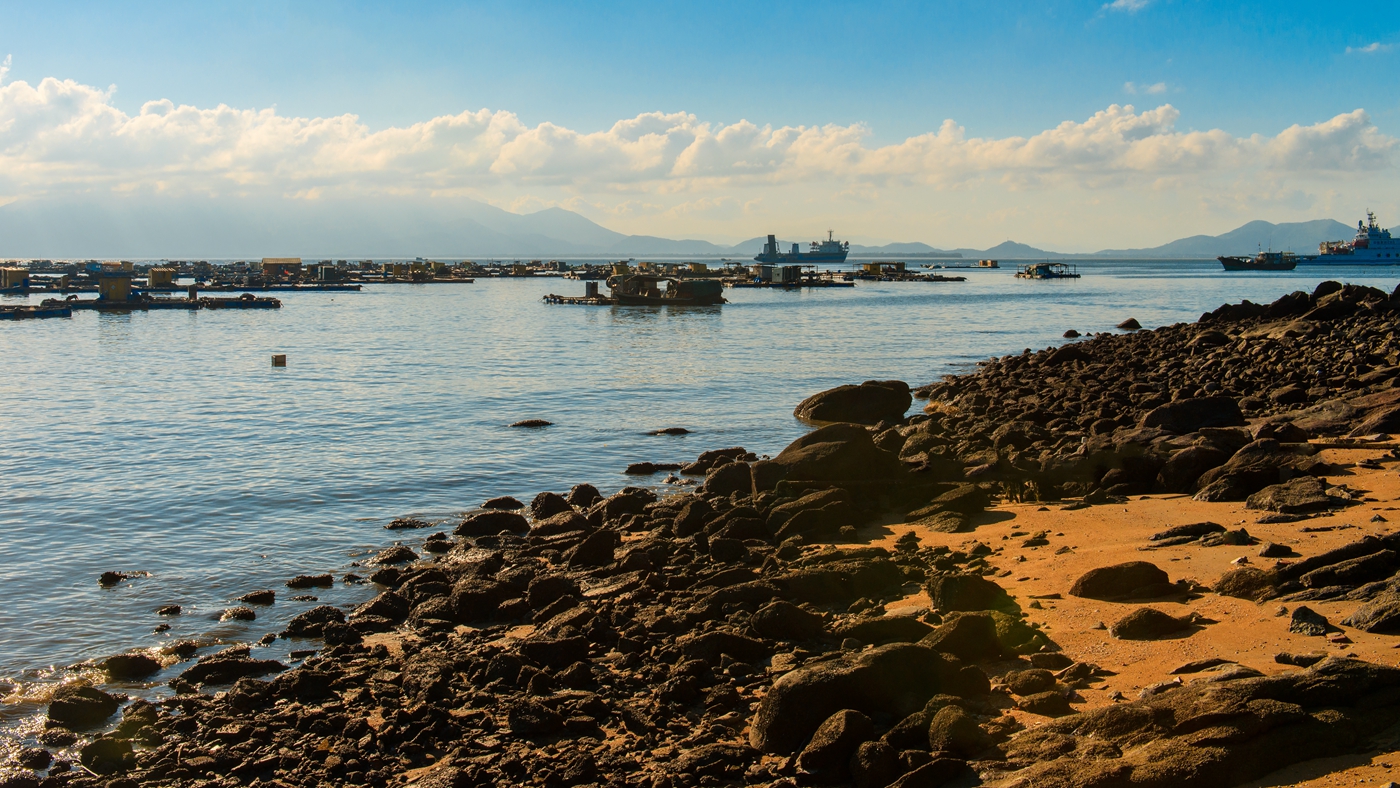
1264, 261
1372, 245
828, 251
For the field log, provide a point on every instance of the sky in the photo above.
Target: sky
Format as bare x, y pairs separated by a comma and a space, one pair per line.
1073, 126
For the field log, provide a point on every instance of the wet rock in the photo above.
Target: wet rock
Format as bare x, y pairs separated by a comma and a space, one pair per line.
76, 706
548, 504
504, 502
533, 423
1070, 334
869, 403
492, 522
670, 431
229, 665
1302, 494
1131, 324
710, 459
398, 554
1068, 354
127, 667
169, 610
827, 756
239, 613
107, 755
312, 623
1131, 580
258, 598
310, 581
583, 496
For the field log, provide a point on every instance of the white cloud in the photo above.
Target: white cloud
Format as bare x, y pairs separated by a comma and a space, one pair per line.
1370, 49
1151, 90
1131, 6
4, 69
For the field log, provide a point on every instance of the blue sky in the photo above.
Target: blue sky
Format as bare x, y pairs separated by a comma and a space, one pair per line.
896, 70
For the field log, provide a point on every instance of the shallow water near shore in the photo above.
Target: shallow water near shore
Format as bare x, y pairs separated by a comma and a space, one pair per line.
165, 443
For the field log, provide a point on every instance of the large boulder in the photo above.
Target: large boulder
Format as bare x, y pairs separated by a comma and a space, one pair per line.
871, 402
971, 637
1256, 466
1297, 495
1381, 615
77, 706
828, 756
490, 523
1131, 580
1188, 415
836, 452
1184, 467
894, 680
1145, 623
949, 592
782, 620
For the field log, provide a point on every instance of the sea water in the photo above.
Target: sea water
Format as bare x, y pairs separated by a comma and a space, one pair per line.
164, 443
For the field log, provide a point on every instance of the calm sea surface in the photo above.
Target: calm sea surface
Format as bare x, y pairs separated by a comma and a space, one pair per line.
164, 442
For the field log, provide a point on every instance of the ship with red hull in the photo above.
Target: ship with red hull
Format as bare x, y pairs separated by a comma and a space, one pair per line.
1373, 245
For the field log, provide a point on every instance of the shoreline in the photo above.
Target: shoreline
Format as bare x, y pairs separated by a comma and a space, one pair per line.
684, 613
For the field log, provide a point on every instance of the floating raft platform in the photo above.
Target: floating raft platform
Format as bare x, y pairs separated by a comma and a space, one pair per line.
29, 312
580, 300
787, 285
245, 301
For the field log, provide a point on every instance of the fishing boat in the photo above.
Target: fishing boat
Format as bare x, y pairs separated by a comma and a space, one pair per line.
1263, 261
1047, 271
658, 290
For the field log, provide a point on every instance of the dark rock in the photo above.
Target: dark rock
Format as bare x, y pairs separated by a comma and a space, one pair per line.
1245, 582
869, 403
398, 554
1190, 531
955, 732
229, 665
582, 496
1184, 467
555, 652
725, 480
530, 718
1049, 703
875, 764
126, 667
714, 457
560, 523
895, 680
718, 760
1131, 324
76, 706
1145, 623
934, 774
827, 756
492, 522
597, 549
311, 623
971, 637
548, 504
533, 423
1299, 660
1272, 550
966, 592
1301, 494
311, 581
106, 755
1070, 334
670, 431
837, 452
1305, 621
169, 610
258, 598
884, 629
782, 620
1380, 615
1029, 682
1131, 580
1189, 415
545, 589
1068, 354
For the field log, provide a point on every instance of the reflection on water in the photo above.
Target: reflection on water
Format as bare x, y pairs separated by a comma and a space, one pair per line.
166, 442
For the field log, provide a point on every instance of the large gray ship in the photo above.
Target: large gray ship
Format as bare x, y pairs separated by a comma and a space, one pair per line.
828, 251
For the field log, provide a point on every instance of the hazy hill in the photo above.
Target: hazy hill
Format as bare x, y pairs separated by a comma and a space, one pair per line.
1301, 237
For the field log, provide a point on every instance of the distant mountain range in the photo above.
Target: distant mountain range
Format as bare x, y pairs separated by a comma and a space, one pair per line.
155, 227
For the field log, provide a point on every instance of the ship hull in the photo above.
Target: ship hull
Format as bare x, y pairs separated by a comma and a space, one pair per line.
1249, 264
802, 258
1362, 257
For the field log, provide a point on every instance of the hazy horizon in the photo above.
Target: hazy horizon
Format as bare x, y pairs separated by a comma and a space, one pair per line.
1121, 125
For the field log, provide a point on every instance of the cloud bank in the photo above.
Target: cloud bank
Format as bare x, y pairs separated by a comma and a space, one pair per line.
60, 139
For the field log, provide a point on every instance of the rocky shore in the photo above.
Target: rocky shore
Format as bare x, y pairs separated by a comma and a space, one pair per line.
861, 609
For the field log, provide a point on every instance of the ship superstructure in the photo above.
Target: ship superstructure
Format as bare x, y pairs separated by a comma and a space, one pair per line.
828, 251
1373, 245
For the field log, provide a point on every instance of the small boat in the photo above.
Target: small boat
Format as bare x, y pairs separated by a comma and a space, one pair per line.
1264, 261
1047, 271
646, 290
